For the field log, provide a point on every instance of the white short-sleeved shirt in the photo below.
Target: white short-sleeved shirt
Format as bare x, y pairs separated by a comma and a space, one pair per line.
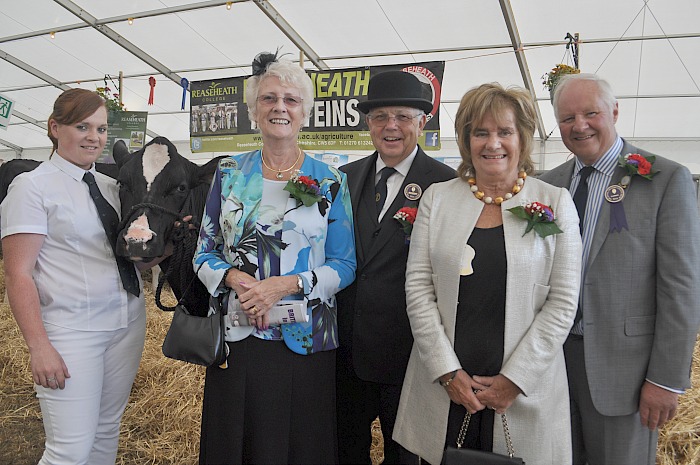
75, 273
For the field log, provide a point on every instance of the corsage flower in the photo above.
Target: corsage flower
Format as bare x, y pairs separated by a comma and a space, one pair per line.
303, 188
539, 217
635, 163
406, 216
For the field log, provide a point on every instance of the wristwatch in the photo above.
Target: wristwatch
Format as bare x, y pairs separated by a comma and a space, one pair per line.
300, 284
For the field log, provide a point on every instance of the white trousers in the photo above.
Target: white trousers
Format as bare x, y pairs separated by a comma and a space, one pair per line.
82, 420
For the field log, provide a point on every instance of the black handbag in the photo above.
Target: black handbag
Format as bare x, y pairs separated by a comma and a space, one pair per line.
458, 456
195, 339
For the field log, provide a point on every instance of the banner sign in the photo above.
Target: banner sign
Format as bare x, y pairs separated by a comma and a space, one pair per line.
5, 111
219, 115
129, 126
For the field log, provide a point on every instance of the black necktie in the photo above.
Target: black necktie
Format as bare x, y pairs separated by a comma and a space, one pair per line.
380, 188
581, 194
580, 199
110, 222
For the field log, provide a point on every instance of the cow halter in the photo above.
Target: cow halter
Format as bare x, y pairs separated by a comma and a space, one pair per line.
279, 170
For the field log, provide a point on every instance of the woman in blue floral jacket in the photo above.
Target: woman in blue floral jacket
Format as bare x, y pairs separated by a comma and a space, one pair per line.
277, 225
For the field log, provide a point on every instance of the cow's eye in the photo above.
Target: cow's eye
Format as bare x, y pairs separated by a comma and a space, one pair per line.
182, 188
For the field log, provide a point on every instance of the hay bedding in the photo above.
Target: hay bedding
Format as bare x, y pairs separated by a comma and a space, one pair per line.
161, 422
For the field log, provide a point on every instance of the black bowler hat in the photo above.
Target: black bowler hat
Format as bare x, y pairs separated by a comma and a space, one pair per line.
395, 89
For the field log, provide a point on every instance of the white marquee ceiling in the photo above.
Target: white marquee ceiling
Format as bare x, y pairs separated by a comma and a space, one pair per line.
646, 49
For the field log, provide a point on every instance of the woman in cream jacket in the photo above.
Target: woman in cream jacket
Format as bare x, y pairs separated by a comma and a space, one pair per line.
490, 304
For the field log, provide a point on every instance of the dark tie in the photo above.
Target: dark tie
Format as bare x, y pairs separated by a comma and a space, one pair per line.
581, 194
580, 199
110, 222
380, 188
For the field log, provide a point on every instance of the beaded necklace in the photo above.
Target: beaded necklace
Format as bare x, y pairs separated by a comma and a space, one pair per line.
498, 200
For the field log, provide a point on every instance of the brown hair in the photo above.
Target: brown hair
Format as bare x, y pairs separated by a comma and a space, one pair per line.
72, 106
493, 99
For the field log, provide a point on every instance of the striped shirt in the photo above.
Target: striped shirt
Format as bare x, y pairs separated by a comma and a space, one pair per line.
598, 182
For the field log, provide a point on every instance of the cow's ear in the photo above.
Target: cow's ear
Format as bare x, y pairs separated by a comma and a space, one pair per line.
205, 173
120, 153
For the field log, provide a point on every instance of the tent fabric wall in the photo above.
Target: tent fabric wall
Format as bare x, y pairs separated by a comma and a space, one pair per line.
646, 49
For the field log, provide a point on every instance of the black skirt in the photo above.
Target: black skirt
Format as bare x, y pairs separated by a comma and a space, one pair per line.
270, 406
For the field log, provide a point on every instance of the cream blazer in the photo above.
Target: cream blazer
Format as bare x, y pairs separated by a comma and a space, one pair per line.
542, 290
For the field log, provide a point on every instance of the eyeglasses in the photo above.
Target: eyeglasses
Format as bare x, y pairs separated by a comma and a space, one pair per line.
383, 118
270, 100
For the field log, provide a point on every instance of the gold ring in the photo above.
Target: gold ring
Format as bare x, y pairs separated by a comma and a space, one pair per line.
254, 310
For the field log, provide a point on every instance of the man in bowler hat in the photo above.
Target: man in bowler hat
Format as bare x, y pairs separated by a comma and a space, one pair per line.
375, 335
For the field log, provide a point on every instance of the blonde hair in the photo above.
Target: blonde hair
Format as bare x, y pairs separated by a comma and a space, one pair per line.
494, 99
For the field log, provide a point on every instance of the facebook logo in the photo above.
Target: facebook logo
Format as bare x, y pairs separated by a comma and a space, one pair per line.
432, 139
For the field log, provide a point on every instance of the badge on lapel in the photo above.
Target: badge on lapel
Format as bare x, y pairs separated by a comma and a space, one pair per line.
412, 191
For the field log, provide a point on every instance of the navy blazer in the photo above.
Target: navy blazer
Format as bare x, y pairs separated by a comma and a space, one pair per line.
374, 331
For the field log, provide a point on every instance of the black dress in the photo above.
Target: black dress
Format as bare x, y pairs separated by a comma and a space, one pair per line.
479, 328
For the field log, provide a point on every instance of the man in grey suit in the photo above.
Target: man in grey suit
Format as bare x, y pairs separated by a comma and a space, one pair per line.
374, 331
629, 352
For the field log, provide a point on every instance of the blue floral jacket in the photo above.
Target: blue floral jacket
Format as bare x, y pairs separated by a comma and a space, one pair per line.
317, 243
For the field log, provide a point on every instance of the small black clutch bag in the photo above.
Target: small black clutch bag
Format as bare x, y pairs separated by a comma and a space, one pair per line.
458, 456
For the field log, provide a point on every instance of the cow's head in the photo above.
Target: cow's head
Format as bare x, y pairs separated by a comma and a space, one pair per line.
154, 185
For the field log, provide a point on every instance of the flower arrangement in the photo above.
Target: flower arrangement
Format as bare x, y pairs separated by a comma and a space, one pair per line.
304, 189
551, 79
112, 99
539, 217
635, 163
406, 216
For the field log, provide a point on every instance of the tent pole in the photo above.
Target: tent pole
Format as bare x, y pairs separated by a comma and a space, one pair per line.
121, 81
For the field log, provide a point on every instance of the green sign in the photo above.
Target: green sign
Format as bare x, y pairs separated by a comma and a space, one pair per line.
5, 111
129, 126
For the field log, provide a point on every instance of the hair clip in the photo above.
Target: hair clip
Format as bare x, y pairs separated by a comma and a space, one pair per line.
263, 59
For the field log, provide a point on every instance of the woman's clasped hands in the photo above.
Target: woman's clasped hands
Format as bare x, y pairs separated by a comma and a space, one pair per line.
258, 297
479, 392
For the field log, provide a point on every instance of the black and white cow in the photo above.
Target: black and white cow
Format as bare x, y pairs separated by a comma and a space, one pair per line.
158, 186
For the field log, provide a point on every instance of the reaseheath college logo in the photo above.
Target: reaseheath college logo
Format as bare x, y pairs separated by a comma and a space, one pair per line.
214, 93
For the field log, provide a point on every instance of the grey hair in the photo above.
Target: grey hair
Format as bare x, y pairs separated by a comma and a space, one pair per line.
290, 75
604, 87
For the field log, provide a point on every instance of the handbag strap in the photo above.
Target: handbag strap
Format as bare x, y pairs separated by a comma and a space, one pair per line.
161, 282
506, 432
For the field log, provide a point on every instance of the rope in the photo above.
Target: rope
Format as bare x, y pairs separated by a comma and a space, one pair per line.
639, 72
184, 242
